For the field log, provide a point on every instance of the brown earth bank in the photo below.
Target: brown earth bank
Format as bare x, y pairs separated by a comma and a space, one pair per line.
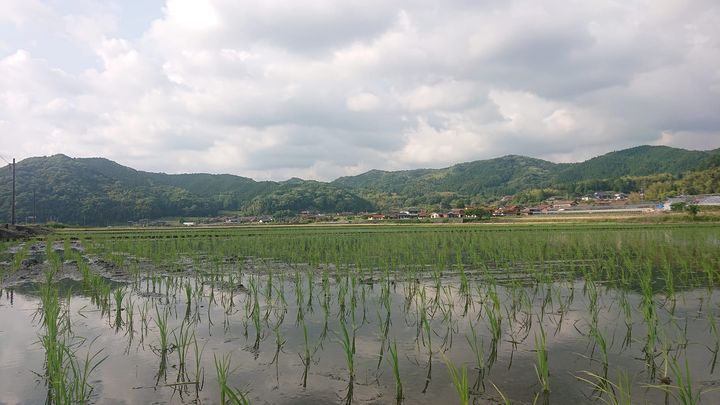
12, 232
33, 267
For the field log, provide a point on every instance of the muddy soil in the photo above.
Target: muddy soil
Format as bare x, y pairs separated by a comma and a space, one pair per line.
13, 232
33, 267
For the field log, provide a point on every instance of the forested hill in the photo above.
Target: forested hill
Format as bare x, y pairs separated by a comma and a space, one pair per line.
97, 191
484, 180
510, 174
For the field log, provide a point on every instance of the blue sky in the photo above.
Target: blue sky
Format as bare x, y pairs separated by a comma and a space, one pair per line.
321, 89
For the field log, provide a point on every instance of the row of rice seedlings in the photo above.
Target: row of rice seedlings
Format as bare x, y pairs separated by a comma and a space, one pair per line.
18, 257
525, 249
67, 377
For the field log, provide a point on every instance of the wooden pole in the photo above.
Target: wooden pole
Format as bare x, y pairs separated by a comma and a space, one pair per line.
12, 217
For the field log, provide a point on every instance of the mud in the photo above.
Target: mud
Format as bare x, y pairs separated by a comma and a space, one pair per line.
13, 232
33, 268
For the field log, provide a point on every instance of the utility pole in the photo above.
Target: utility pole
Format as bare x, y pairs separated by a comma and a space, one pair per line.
12, 217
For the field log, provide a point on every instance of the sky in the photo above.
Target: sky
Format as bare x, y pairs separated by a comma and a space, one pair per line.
320, 89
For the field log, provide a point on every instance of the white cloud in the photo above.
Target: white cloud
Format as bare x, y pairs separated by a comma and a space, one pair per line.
320, 89
363, 102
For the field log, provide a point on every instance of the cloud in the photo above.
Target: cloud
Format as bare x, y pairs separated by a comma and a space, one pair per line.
320, 89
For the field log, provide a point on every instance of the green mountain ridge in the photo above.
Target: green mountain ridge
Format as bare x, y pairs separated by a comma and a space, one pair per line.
512, 173
98, 191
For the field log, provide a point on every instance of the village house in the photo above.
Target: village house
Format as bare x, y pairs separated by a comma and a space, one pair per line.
710, 200
409, 214
564, 204
507, 210
674, 200
456, 213
702, 200
604, 195
539, 209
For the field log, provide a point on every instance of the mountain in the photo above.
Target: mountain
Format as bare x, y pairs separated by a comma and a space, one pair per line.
638, 161
98, 191
295, 196
511, 174
502, 175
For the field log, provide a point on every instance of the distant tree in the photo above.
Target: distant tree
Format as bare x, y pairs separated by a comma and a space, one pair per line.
692, 210
458, 203
677, 207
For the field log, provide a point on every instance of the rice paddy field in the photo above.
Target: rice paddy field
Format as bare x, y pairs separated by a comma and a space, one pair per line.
483, 314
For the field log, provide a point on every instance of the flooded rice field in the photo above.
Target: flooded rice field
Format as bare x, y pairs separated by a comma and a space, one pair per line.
363, 315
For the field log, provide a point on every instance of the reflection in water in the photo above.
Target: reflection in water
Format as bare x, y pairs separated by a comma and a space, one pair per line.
162, 334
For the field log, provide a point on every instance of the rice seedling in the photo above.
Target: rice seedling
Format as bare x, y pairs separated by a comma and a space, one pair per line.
476, 346
396, 372
182, 337
504, 398
682, 391
80, 387
542, 368
67, 378
716, 341
384, 326
348, 346
459, 380
227, 393
199, 374
610, 392
306, 357
119, 295
494, 322
161, 323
